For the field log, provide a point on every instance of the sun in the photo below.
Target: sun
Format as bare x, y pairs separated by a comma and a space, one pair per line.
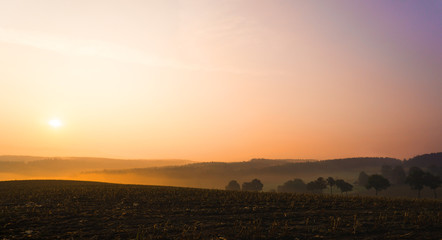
55, 123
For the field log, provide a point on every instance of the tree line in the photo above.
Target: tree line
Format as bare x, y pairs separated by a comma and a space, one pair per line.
254, 185
316, 186
417, 179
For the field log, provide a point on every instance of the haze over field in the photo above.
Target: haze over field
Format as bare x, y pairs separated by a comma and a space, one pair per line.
27, 167
220, 80
215, 175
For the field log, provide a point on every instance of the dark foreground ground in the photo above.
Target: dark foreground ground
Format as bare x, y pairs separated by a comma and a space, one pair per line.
87, 210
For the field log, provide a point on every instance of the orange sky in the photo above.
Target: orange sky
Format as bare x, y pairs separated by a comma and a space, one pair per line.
220, 80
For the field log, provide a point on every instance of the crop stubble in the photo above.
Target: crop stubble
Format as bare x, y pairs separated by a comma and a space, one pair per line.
87, 210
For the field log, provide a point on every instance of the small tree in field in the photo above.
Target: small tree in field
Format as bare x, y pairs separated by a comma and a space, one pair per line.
363, 179
296, 185
331, 182
254, 185
378, 182
319, 184
399, 175
344, 186
416, 179
432, 182
233, 186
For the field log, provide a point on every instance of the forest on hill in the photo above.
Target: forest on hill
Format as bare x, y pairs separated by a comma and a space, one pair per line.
272, 173
425, 160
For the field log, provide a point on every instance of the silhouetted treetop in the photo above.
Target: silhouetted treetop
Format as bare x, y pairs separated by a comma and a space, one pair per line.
363, 179
395, 175
331, 182
344, 186
233, 186
378, 182
254, 185
296, 185
432, 181
317, 185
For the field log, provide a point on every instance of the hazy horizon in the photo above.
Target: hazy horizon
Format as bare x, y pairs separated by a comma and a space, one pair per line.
220, 80
215, 175
191, 160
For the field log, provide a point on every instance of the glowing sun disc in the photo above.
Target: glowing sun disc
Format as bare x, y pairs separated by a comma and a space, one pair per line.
55, 123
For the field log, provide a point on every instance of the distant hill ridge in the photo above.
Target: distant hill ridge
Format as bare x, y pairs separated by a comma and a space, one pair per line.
58, 166
202, 174
425, 160
254, 167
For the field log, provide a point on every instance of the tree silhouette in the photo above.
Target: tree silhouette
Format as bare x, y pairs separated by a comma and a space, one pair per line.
254, 185
432, 182
395, 175
416, 179
378, 182
296, 185
363, 179
233, 186
343, 186
398, 175
331, 182
319, 184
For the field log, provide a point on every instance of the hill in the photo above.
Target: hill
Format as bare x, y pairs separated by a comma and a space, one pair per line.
272, 172
425, 160
64, 167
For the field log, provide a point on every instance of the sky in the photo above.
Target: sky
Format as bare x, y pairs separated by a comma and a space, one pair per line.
220, 80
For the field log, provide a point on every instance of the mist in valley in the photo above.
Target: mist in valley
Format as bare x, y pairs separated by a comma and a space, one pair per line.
273, 173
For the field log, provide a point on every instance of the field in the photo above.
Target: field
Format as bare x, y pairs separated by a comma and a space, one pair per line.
89, 210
